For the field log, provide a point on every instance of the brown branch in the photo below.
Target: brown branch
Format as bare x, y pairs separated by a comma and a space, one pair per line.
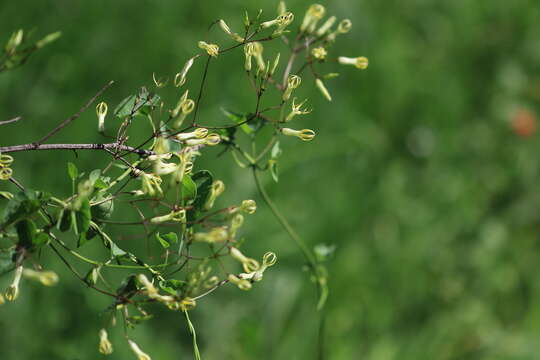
110, 146
73, 117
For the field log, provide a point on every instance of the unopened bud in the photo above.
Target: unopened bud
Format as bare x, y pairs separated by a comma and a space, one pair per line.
101, 111
305, 134
105, 346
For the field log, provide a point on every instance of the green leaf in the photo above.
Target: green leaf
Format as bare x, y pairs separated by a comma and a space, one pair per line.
276, 151
135, 104
171, 286
273, 167
189, 189
116, 251
26, 230
40, 239
94, 175
83, 216
204, 179
23, 205
162, 241
64, 220
239, 118
73, 172
128, 286
102, 211
167, 239
171, 238
100, 184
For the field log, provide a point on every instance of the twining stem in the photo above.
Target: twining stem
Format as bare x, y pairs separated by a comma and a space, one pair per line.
283, 221
322, 287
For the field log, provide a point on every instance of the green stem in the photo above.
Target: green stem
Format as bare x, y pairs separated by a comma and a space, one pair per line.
283, 221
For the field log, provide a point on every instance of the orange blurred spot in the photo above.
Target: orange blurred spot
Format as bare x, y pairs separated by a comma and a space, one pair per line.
524, 123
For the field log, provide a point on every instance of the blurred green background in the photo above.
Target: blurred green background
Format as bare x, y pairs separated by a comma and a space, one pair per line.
424, 175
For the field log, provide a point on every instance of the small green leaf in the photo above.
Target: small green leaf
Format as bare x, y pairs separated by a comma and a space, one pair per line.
128, 286
26, 230
100, 184
205, 179
83, 216
65, 220
94, 175
189, 189
171, 238
23, 205
40, 239
276, 151
239, 119
132, 105
171, 286
273, 167
162, 241
73, 172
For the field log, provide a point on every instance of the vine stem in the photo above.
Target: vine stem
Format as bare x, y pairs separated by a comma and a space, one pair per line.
284, 223
322, 288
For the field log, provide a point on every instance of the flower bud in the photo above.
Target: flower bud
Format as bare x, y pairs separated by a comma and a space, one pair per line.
293, 81
101, 111
305, 134
258, 49
344, 26
274, 65
187, 304
137, 351
151, 184
185, 165
236, 223
180, 78
150, 288
211, 49
185, 108
323, 89
161, 145
2, 300
47, 278
105, 346
228, 31
248, 264
314, 13
282, 8
319, 53
249, 206
218, 187
174, 216
326, 26
360, 62
242, 284
5, 173
12, 292
217, 234
269, 259
199, 133
5, 160
48, 39
249, 51
14, 41
281, 22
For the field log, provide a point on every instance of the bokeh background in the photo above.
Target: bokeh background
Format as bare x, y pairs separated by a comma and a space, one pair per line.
424, 175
